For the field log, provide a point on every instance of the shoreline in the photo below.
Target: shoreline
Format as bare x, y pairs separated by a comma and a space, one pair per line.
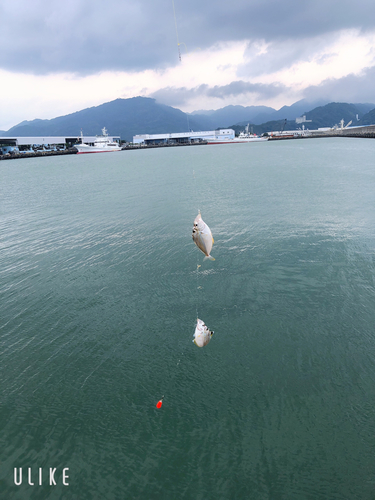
72, 151
28, 154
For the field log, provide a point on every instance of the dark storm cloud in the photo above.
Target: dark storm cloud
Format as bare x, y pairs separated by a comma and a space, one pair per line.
87, 36
351, 88
180, 96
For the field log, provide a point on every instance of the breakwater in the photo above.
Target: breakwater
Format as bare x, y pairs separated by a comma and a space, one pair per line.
366, 131
73, 151
29, 154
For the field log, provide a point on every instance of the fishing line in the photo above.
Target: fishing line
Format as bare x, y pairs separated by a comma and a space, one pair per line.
176, 370
179, 55
178, 42
175, 22
196, 192
198, 287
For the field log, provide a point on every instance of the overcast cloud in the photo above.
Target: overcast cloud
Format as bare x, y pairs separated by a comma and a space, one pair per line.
244, 52
360, 88
180, 96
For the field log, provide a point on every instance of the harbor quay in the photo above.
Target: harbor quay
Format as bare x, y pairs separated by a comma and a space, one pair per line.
33, 154
28, 147
367, 131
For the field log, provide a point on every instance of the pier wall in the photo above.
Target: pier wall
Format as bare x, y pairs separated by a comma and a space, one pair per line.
367, 131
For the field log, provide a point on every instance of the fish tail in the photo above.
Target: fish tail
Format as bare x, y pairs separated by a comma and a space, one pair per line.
208, 257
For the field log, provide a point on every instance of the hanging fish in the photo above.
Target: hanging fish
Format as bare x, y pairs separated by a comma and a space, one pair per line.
202, 334
202, 236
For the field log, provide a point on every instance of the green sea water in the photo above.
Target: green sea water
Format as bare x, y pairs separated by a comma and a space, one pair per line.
99, 294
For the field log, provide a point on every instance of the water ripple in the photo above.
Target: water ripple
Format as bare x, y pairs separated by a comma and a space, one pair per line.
99, 292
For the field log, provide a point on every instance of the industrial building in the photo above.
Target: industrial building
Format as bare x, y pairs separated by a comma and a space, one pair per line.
183, 137
19, 144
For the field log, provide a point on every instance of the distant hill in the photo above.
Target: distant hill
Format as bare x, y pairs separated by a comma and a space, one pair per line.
368, 118
232, 114
271, 126
331, 114
297, 109
256, 115
142, 115
365, 108
322, 116
124, 117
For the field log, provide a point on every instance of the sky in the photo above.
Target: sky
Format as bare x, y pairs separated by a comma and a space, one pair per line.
60, 57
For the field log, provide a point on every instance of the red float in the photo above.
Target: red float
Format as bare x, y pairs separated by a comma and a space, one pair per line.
159, 403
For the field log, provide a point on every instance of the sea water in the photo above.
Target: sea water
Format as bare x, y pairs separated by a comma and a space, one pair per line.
99, 293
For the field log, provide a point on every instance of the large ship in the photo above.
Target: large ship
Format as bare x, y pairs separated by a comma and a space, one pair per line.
102, 144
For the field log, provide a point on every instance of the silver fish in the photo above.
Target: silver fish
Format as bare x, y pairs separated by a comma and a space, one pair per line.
202, 334
202, 236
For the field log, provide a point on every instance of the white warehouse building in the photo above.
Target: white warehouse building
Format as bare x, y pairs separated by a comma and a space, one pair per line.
184, 137
15, 143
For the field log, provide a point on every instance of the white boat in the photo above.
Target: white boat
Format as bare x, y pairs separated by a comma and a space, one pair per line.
242, 138
102, 144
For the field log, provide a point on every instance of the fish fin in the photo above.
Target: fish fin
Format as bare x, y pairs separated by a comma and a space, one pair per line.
213, 240
208, 257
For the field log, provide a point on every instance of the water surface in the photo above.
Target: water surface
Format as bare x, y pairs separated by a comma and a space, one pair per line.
99, 292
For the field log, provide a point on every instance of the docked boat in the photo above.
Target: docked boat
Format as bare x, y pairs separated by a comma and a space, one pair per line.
242, 138
102, 144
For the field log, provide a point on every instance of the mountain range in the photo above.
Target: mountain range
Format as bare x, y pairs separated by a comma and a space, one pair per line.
143, 115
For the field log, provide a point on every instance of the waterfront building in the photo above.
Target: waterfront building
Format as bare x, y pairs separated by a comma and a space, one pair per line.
183, 137
51, 143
